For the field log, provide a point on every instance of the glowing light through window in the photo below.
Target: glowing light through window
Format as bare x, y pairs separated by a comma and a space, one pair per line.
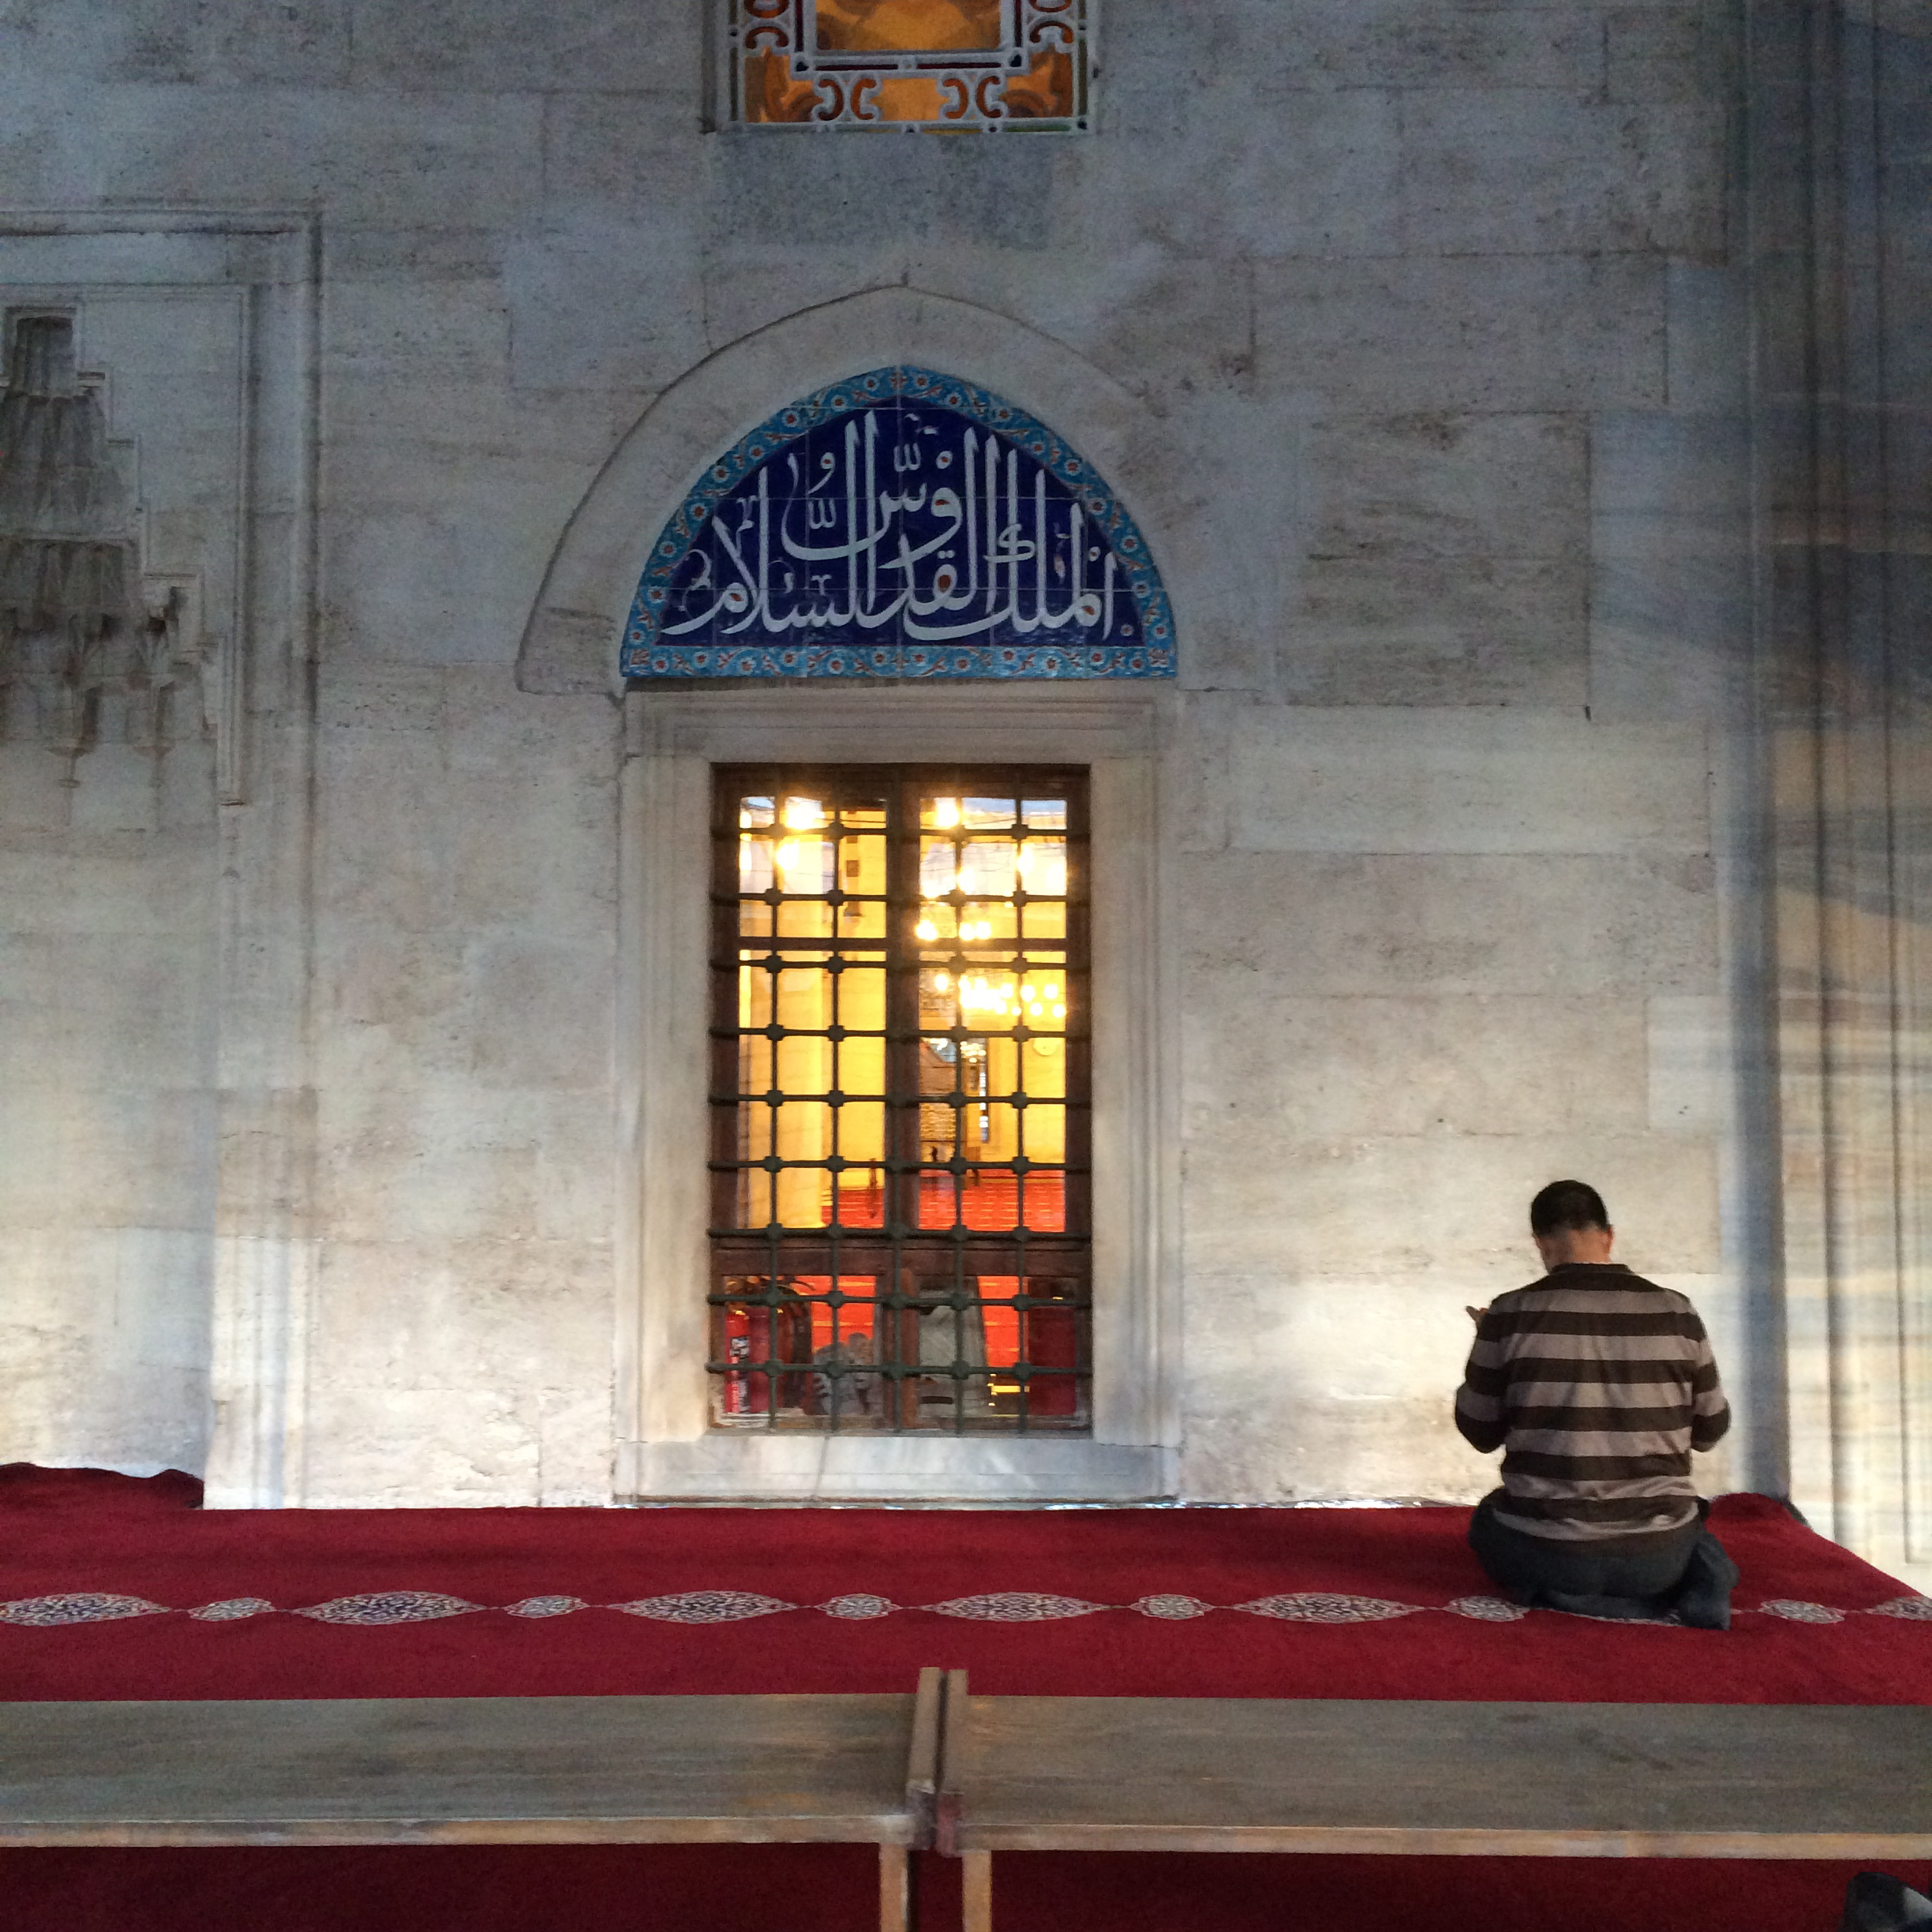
954, 66
899, 1104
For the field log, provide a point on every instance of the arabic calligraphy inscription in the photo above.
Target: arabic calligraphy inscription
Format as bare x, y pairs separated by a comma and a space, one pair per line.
902, 524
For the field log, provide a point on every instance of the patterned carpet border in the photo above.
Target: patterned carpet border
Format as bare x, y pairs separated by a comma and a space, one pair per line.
380, 1608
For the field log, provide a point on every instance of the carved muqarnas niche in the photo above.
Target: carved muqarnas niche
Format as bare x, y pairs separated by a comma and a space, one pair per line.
87, 650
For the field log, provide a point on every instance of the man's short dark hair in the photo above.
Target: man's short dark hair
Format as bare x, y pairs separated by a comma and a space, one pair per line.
1567, 1204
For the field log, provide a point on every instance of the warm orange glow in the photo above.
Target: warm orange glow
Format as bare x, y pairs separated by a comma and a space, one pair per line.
949, 65
989, 1202
771, 94
1043, 94
856, 1317
907, 26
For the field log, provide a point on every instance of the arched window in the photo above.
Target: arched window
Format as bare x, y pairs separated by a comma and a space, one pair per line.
903, 1222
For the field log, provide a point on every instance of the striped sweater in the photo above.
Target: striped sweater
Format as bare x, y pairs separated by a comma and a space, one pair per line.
1598, 1384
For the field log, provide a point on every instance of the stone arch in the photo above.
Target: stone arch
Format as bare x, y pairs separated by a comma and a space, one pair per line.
571, 642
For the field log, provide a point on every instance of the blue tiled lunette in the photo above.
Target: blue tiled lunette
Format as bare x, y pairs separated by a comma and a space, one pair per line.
768, 475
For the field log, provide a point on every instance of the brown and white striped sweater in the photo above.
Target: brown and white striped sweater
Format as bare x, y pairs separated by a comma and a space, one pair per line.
1600, 1384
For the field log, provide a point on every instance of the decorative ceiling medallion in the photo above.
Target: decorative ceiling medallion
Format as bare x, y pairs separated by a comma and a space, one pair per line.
900, 524
986, 66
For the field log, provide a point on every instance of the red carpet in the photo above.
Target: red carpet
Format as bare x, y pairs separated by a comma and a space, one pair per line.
81, 1533
1340, 1602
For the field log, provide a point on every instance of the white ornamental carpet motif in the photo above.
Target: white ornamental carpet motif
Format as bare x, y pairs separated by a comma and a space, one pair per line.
377, 1608
1321, 1606
860, 1609
1914, 1609
1486, 1609
80, 1607
1017, 1607
704, 1607
389, 1607
231, 1610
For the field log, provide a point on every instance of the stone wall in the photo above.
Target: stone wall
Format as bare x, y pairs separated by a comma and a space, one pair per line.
106, 1179
1419, 332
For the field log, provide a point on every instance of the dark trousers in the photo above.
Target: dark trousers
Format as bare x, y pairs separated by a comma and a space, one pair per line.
1684, 1570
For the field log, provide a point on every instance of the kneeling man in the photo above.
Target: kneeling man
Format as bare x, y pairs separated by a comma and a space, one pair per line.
1598, 1385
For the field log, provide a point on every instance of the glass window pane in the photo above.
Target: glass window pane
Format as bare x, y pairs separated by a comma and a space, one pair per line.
957, 65
804, 919
909, 26
754, 1192
938, 997
938, 867
1045, 1069
754, 1064
988, 867
916, 1106
1045, 1130
803, 1131
805, 865
858, 1200
756, 873
939, 1197
1042, 1203
755, 990
862, 1138
800, 1197
804, 1066
1043, 867
861, 1067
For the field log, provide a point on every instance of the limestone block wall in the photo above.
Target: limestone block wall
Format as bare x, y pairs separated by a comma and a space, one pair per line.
1419, 333
1433, 959
461, 1335
106, 1103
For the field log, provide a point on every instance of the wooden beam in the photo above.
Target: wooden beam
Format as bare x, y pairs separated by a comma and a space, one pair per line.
460, 1770
1547, 1780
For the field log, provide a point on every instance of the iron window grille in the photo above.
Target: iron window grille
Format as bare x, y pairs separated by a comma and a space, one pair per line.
900, 1120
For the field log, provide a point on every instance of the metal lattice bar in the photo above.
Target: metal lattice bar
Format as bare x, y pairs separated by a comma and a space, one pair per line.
899, 1101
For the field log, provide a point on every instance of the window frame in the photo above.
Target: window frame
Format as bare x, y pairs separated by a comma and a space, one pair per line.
665, 1449
850, 82
918, 1273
